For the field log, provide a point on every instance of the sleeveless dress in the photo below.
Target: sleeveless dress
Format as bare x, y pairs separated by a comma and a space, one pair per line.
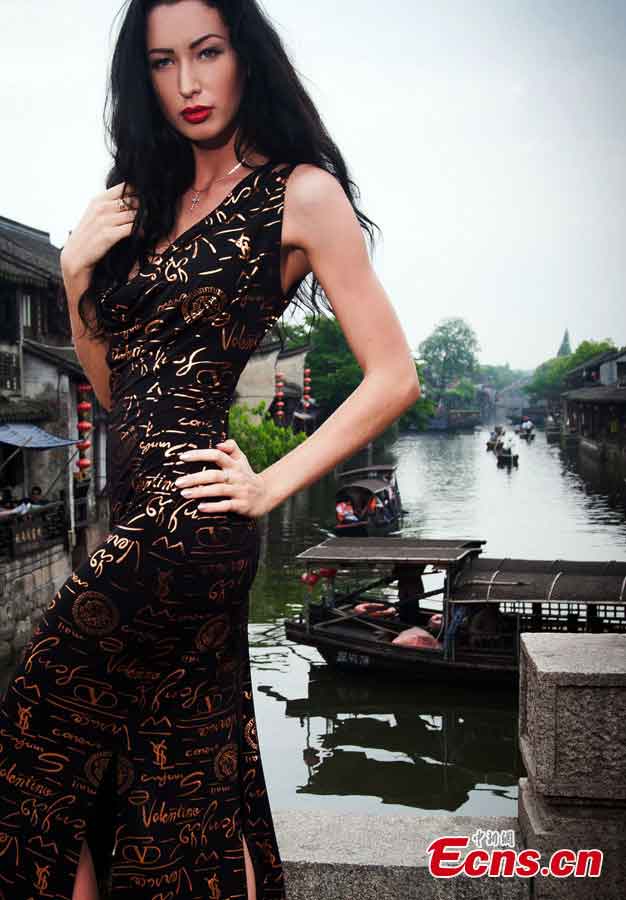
130, 721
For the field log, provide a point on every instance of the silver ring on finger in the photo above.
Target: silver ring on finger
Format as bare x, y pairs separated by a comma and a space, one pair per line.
121, 205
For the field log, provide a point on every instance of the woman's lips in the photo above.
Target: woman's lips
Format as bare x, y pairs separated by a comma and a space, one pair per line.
197, 115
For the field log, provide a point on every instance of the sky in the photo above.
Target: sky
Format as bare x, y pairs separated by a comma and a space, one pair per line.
487, 139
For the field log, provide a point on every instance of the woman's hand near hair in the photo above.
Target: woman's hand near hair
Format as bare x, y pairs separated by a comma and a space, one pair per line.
103, 224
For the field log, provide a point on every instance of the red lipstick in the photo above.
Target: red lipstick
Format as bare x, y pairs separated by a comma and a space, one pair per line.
195, 114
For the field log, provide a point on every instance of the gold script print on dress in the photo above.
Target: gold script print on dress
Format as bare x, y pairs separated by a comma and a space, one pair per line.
131, 720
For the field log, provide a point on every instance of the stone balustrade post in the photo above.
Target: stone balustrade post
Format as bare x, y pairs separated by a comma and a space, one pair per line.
573, 743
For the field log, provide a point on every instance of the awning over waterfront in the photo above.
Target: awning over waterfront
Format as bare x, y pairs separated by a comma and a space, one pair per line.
31, 437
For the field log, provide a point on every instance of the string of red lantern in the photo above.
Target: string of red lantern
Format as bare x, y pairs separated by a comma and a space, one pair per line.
84, 427
278, 395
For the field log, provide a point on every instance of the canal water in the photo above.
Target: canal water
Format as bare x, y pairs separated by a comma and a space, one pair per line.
361, 744
354, 743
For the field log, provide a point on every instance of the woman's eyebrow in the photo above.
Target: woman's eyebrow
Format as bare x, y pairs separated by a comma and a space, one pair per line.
191, 45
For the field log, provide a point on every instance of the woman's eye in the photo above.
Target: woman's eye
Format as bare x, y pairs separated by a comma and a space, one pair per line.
211, 52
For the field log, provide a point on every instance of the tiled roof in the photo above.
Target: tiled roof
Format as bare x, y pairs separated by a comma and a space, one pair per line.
26, 254
64, 357
21, 409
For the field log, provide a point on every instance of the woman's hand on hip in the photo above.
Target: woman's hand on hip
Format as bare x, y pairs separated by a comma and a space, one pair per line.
236, 487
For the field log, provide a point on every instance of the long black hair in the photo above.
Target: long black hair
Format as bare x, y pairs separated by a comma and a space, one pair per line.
276, 117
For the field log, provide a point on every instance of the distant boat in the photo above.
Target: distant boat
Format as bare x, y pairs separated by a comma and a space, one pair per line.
506, 458
553, 430
367, 502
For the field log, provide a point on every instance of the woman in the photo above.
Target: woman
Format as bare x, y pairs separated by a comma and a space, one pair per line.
129, 746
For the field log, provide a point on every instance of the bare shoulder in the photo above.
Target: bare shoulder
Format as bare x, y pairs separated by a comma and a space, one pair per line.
313, 198
309, 184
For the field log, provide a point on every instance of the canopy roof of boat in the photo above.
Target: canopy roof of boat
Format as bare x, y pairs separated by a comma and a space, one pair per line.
365, 551
384, 467
371, 485
540, 581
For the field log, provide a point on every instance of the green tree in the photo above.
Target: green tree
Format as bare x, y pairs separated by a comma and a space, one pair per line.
263, 442
450, 352
461, 396
499, 377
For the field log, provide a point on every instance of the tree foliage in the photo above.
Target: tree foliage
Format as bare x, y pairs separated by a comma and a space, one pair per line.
263, 442
500, 377
461, 396
450, 352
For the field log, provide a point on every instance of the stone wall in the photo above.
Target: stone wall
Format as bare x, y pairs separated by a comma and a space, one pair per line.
27, 585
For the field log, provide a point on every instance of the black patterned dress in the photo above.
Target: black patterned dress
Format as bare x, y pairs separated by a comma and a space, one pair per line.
130, 721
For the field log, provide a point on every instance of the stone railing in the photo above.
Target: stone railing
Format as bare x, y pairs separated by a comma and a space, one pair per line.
573, 743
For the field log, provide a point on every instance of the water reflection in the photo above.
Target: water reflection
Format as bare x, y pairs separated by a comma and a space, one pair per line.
423, 748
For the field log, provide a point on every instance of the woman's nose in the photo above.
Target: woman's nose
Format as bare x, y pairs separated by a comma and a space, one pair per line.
187, 81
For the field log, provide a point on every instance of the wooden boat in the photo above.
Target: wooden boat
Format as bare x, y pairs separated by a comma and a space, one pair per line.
498, 441
552, 429
367, 501
506, 458
485, 605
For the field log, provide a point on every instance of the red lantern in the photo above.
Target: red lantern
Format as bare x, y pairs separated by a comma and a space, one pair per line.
310, 579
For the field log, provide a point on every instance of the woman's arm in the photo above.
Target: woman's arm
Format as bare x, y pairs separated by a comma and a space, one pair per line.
322, 222
91, 353
109, 217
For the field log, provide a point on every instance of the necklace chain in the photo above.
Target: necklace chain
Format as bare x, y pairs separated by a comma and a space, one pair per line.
195, 199
196, 193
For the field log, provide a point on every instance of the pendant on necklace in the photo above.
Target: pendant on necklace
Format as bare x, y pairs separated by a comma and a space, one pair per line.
195, 200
